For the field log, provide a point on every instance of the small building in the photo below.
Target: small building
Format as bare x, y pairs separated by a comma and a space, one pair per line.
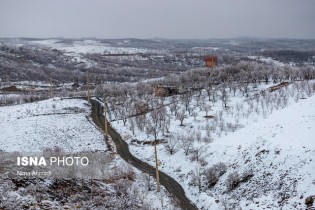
165, 91
211, 61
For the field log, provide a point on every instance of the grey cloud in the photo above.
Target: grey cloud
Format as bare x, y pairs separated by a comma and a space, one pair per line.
157, 18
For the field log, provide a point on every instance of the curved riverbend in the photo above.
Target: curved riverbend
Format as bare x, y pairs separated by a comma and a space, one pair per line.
168, 182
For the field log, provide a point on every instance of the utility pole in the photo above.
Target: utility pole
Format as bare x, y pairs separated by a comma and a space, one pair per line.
88, 93
157, 169
106, 126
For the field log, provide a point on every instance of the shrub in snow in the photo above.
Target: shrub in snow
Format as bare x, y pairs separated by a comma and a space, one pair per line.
122, 172
309, 201
213, 173
232, 181
220, 168
211, 176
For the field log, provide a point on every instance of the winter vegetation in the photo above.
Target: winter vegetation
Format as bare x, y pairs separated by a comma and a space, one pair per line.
64, 125
124, 188
235, 136
198, 129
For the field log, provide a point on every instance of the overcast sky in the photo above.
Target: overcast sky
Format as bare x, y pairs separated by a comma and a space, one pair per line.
157, 18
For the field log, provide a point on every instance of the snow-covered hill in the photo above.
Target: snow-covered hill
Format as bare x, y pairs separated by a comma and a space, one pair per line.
269, 154
65, 123
291, 127
54, 122
280, 154
90, 46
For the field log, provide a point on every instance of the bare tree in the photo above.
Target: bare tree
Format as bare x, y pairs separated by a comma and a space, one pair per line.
153, 130
167, 122
197, 152
186, 99
186, 143
171, 145
123, 115
234, 88
174, 108
154, 125
181, 115
208, 89
197, 179
224, 96
140, 122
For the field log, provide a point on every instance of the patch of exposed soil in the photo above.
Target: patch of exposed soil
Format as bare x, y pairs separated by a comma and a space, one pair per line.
277, 87
11, 88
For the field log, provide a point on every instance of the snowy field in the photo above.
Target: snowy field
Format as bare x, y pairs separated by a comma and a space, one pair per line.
90, 46
66, 123
54, 122
268, 139
77, 49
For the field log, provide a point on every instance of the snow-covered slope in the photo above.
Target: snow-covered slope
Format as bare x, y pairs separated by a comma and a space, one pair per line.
66, 123
291, 127
54, 122
91, 46
279, 151
272, 151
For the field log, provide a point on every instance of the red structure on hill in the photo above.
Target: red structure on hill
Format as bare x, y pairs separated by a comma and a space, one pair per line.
211, 61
